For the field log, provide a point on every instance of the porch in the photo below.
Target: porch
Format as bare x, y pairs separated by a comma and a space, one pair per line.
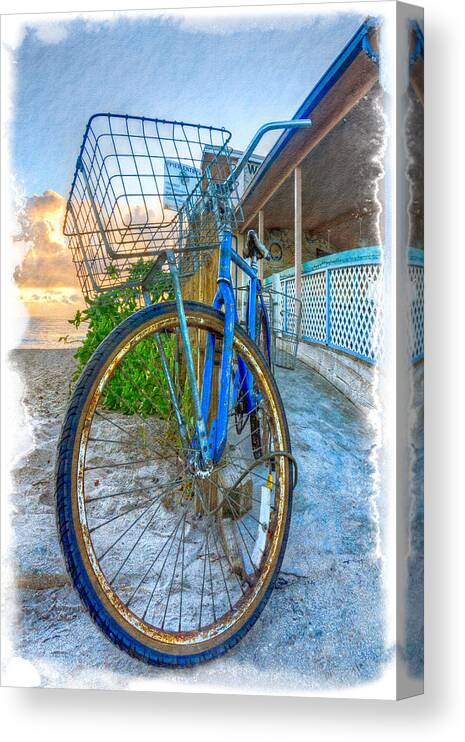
318, 200
342, 316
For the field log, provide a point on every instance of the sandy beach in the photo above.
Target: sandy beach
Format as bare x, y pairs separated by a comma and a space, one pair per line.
323, 626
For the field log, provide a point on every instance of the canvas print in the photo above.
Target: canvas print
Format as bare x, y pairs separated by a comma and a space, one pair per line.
212, 314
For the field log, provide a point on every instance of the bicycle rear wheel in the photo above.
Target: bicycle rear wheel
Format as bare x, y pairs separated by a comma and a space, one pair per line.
259, 433
173, 565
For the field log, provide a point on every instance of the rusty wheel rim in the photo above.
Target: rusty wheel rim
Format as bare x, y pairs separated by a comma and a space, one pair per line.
203, 542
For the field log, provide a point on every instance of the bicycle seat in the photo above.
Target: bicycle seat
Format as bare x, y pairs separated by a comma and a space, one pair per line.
255, 247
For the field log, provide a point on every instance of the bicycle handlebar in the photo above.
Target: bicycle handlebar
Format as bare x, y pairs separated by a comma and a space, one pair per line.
271, 126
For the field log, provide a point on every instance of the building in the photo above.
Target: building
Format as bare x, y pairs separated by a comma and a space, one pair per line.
319, 194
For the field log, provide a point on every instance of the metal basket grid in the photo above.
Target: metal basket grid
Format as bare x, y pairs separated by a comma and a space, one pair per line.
143, 186
284, 317
285, 321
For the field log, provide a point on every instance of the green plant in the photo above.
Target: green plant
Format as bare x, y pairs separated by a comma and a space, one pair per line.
138, 385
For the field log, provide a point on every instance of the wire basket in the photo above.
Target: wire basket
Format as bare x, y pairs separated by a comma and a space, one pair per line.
284, 317
284, 312
143, 186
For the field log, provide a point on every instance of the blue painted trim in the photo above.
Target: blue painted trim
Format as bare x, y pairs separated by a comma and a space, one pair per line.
335, 71
416, 256
315, 341
219, 428
368, 49
328, 307
239, 261
419, 49
344, 59
358, 256
367, 359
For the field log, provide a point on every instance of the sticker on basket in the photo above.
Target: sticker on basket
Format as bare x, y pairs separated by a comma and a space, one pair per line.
180, 181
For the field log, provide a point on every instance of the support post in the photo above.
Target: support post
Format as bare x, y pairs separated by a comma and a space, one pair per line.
298, 232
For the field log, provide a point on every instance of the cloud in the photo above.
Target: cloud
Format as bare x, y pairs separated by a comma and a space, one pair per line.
47, 263
51, 32
259, 19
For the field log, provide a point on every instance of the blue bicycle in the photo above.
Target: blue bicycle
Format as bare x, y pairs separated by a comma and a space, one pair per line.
174, 473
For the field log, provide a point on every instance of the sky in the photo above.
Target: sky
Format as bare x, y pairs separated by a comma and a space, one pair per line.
236, 69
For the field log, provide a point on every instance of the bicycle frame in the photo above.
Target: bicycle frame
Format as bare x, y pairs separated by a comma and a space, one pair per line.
212, 442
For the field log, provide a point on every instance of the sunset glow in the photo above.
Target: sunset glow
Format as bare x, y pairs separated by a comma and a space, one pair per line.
46, 277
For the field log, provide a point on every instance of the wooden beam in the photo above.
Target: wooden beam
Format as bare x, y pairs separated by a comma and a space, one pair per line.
351, 215
298, 232
417, 78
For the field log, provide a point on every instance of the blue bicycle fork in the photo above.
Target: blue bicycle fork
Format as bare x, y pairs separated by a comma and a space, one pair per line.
200, 425
211, 443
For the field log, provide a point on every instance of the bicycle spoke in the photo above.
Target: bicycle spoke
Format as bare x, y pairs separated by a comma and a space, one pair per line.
203, 581
146, 574
235, 510
129, 492
144, 421
144, 530
112, 422
117, 464
222, 572
125, 512
173, 576
110, 440
131, 525
171, 547
182, 575
146, 398
171, 540
211, 579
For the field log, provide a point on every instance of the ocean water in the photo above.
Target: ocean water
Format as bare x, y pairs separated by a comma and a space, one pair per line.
44, 333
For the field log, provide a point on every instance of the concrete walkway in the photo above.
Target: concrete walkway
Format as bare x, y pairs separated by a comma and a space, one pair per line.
323, 626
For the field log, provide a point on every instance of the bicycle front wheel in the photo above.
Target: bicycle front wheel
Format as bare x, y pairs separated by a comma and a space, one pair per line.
174, 565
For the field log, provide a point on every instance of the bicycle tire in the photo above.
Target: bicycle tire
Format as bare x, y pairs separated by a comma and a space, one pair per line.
94, 600
256, 433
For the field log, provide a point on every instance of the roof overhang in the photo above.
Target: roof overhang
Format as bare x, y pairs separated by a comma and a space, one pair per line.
351, 77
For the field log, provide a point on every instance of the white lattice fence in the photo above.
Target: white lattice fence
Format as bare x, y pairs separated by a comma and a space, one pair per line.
355, 310
314, 306
290, 315
350, 317
416, 325
342, 307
